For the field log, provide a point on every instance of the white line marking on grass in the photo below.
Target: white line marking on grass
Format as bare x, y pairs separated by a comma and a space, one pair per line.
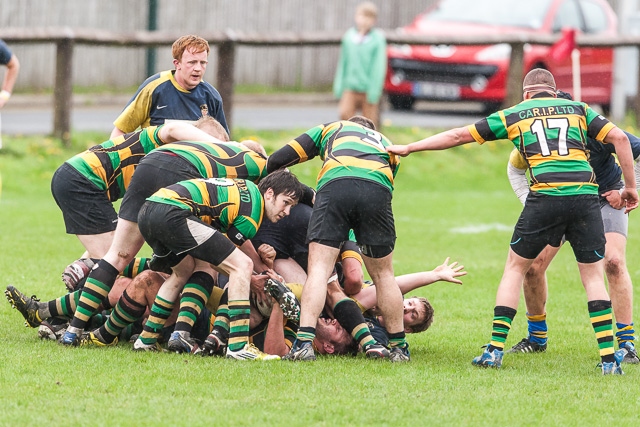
481, 228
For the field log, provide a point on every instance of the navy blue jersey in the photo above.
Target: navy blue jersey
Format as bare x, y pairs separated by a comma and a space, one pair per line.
604, 165
5, 53
161, 98
378, 332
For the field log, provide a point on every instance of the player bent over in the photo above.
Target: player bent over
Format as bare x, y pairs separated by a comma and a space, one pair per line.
184, 224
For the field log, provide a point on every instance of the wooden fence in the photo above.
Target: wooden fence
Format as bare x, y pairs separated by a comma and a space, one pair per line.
66, 39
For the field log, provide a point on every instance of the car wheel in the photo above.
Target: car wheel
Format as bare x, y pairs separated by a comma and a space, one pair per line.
401, 102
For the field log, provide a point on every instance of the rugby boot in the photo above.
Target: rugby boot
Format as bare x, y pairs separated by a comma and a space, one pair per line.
399, 354
250, 352
49, 330
301, 352
181, 342
528, 346
489, 359
376, 351
93, 339
630, 354
613, 368
214, 345
286, 299
28, 307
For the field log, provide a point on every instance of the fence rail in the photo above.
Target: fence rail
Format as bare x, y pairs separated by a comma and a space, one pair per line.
65, 39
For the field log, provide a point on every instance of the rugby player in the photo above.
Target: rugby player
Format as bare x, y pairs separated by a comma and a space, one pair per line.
563, 201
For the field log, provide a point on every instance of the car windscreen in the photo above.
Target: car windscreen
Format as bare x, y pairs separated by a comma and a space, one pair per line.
512, 13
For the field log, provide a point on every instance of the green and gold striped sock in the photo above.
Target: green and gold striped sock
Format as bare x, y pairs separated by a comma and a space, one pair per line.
348, 314
239, 312
126, 312
160, 312
502, 318
95, 291
602, 323
194, 296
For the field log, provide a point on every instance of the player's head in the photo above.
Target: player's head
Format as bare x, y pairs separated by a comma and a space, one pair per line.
190, 55
190, 43
363, 121
254, 146
213, 127
281, 190
538, 80
331, 338
418, 315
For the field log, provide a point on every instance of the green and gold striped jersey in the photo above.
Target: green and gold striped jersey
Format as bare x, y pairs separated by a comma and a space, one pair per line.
221, 160
111, 164
551, 135
348, 150
232, 206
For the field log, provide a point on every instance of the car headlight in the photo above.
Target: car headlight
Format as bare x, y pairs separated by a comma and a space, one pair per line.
479, 83
496, 52
397, 78
401, 49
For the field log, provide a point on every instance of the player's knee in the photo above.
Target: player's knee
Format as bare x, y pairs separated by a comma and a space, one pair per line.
241, 264
615, 266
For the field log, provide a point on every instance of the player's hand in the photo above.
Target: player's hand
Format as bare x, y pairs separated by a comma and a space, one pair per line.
400, 150
448, 272
630, 196
614, 199
267, 254
257, 287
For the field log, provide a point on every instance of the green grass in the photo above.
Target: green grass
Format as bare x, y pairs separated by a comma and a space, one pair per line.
456, 203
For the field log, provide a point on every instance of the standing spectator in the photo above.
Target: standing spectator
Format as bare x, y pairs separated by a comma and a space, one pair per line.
11, 75
362, 66
178, 94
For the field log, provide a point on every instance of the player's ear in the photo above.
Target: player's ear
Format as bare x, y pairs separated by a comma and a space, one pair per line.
328, 348
269, 194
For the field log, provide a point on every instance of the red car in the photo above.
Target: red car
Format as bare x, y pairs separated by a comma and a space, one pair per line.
479, 73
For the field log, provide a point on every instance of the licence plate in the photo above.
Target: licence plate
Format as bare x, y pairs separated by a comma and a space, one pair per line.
432, 90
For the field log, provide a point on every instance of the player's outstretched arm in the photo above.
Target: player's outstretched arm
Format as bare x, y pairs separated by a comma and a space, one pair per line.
440, 141
447, 272
180, 131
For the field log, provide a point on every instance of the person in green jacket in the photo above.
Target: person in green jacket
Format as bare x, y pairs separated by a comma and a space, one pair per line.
362, 66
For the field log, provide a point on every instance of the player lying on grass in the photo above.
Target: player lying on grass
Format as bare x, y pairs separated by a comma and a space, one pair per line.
132, 299
418, 312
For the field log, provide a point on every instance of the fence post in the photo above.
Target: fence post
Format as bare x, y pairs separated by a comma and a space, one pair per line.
63, 91
226, 67
515, 75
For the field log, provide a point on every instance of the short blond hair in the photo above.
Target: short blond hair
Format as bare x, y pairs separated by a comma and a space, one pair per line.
213, 127
254, 146
368, 8
190, 42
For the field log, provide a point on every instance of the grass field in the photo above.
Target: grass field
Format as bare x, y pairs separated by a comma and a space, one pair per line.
456, 203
